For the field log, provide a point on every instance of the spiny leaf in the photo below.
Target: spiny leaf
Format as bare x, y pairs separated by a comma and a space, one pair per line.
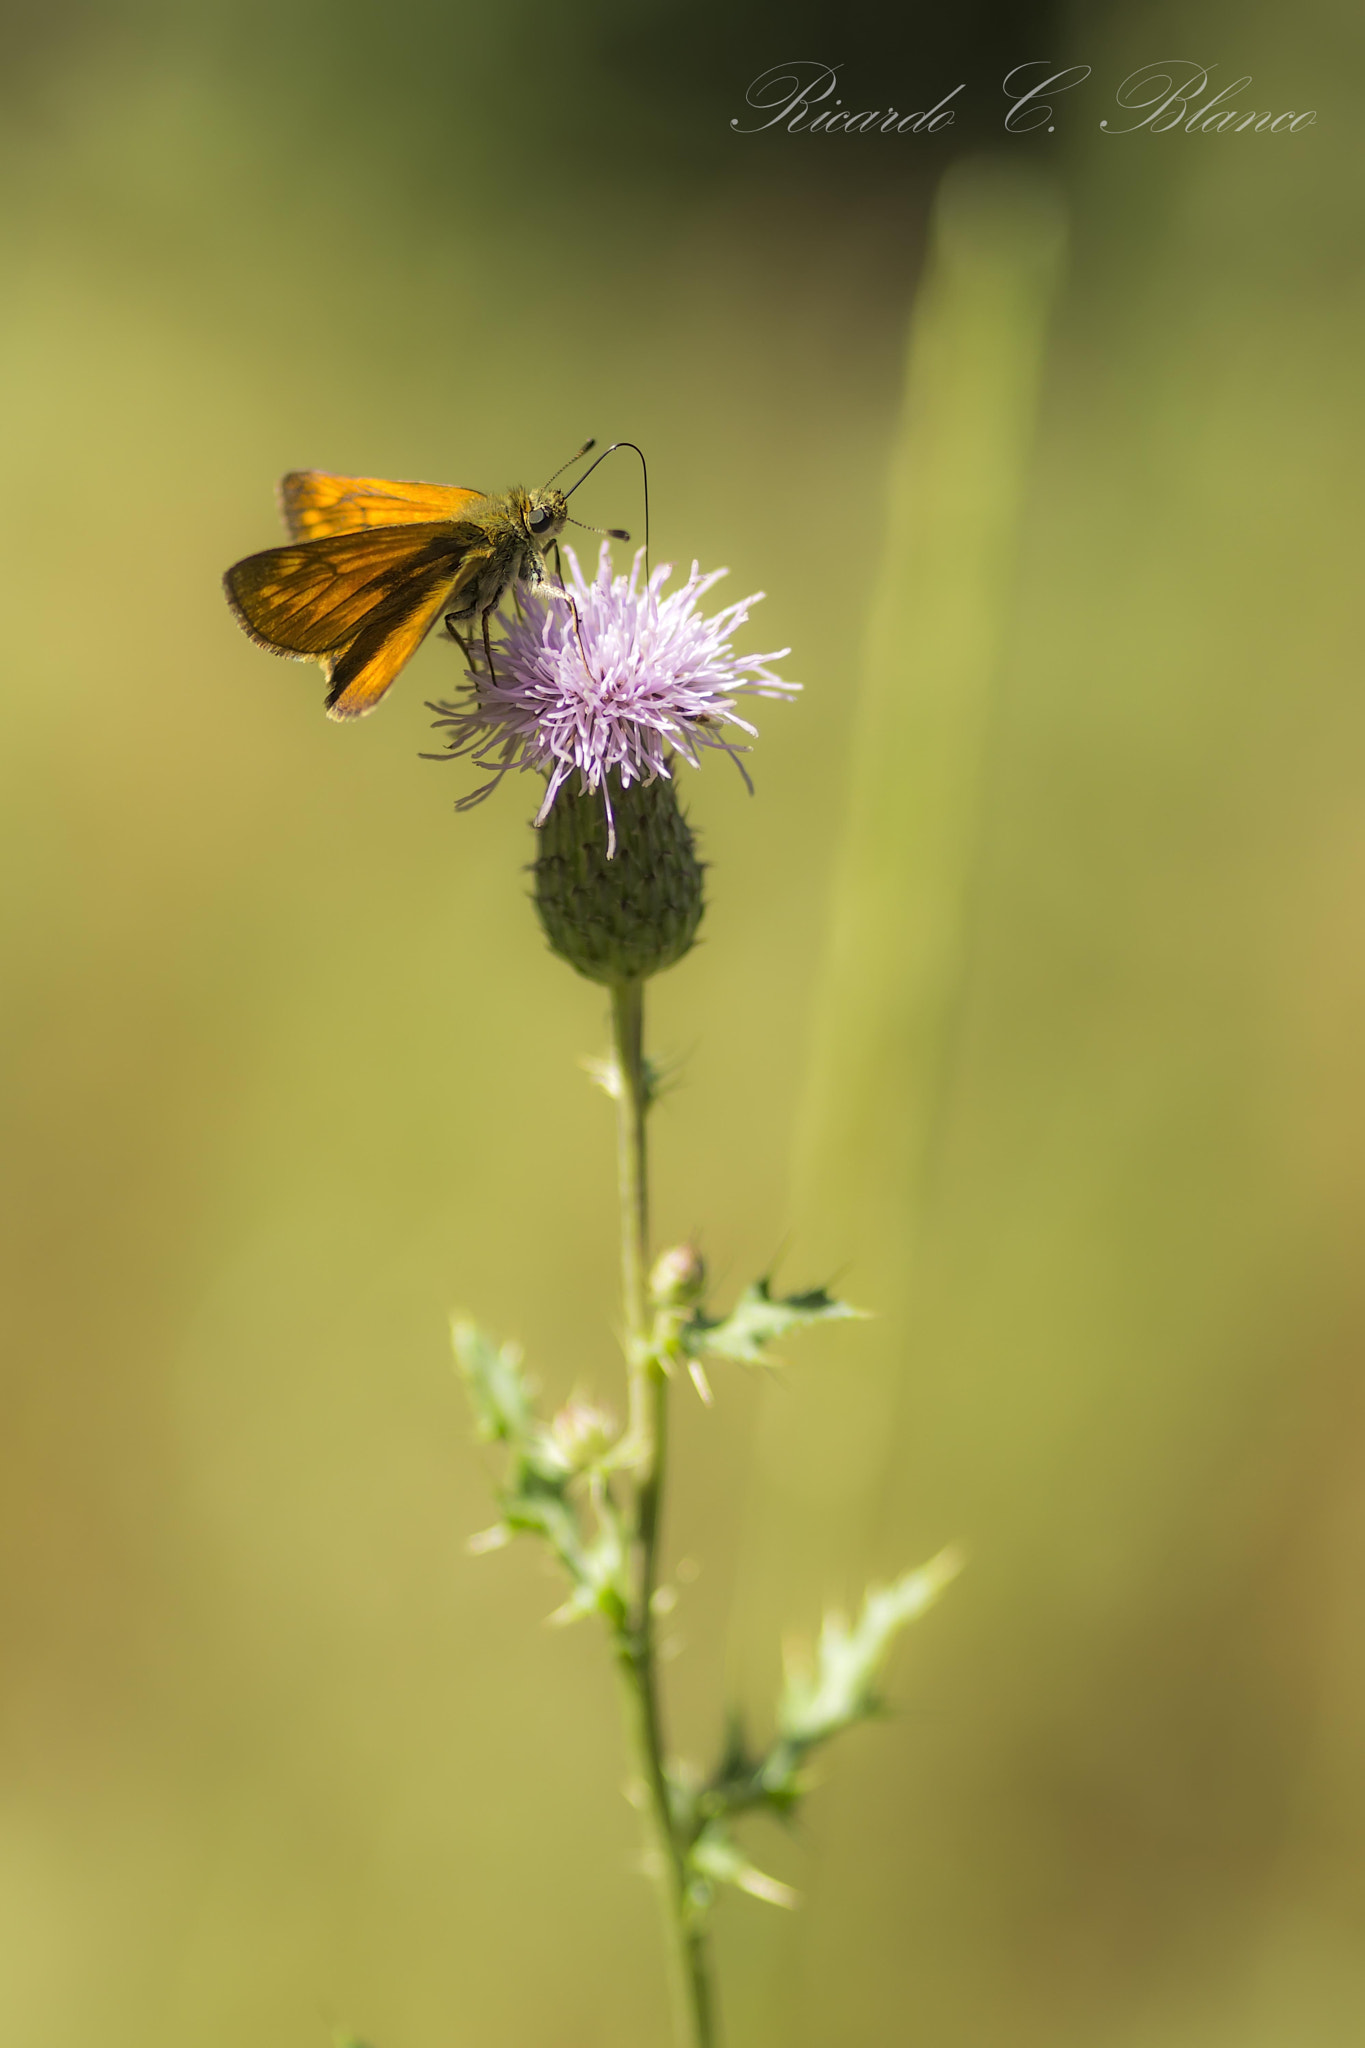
717, 1857
841, 1689
760, 1318
499, 1390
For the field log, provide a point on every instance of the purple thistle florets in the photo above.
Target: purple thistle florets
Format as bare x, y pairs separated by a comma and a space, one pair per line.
610, 675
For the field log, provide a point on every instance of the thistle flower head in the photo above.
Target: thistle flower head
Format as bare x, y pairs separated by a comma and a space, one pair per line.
610, 677
583, 1433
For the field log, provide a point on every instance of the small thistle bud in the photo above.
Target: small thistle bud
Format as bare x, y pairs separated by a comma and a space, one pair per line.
678, 1278
583, 1434
618, 890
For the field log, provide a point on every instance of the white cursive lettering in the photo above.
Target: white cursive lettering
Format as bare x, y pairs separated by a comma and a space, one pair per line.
1166, 94
1173, 86
1017, 122
790, 94
790, 88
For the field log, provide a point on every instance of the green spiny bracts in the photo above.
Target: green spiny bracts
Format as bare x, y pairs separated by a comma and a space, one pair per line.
622, 914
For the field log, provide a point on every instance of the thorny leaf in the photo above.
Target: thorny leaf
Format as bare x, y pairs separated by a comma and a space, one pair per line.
842, 1687
758, 1319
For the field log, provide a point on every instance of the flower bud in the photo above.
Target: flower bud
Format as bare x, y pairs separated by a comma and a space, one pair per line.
678, 1278
583, 1434
619, 898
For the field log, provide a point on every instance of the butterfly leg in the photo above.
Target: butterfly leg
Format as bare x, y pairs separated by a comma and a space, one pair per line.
465, 642
578, 636
488, 645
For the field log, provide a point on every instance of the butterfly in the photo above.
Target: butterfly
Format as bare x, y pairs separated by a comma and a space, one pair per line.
372, 564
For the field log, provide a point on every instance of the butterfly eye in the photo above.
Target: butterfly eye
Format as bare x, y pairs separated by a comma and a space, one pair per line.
540, 519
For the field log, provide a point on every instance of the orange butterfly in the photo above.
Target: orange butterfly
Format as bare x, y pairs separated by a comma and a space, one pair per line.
373, 564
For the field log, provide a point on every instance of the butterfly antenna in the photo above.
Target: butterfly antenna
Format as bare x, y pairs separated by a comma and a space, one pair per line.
611, 532
591, 442
644, 466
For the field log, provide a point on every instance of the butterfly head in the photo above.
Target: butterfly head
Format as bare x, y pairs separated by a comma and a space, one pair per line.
543, 515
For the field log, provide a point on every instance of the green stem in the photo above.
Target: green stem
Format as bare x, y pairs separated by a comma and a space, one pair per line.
648, 1436
632, 1101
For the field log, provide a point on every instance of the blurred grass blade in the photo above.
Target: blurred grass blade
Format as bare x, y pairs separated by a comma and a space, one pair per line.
938, 617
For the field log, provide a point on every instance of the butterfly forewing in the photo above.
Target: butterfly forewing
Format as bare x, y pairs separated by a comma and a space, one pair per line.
316, 504
315, 596
358, 675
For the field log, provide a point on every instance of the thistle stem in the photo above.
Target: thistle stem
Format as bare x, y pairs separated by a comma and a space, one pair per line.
632, 1101
648, 1435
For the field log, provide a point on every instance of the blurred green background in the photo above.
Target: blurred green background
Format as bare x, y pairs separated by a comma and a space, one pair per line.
1031, 1003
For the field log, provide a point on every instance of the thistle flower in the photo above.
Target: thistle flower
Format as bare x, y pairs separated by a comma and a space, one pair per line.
583, 1433
610, 679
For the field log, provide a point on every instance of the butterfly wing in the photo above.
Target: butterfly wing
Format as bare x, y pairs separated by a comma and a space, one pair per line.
360, 603
315, 504
360, 673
